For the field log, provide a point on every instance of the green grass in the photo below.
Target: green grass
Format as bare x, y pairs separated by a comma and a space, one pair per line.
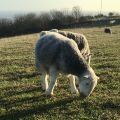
22, 98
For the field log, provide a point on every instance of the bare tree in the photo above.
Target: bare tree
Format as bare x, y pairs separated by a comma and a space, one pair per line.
55, 14
44, 20
76, 12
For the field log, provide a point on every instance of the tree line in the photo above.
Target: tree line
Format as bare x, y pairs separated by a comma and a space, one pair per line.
32, 23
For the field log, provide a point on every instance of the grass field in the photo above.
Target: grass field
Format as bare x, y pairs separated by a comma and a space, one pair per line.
21, 96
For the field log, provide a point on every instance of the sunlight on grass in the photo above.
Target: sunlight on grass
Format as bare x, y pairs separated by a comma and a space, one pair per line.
22, 98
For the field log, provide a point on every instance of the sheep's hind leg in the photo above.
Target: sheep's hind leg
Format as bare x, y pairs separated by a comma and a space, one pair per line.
44, 81
53, 76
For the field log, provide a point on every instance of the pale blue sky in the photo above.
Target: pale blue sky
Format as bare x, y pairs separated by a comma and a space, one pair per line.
46, 5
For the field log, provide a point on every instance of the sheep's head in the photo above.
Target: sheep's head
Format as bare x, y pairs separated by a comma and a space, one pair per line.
87, 83
42, 33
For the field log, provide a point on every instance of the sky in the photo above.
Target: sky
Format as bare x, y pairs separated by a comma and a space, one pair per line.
46, 5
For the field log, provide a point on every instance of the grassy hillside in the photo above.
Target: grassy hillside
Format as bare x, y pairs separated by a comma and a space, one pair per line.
20, 93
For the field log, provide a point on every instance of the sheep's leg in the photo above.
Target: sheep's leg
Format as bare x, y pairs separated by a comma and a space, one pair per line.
89, 58
53, 76
44, 81
56, 83
73, 85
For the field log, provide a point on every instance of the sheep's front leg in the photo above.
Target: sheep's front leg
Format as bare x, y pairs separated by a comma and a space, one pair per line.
72, 84
53, 76
44, 81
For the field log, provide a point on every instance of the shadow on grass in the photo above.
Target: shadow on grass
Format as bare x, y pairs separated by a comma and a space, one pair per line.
20, 75
40, 109
110, 105
19, 90
15, 92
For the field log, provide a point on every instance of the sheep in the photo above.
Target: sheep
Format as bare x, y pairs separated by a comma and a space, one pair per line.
108, 30
82, 43
80, 39
54, 54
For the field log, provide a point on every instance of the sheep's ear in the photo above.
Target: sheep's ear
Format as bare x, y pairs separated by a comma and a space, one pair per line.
98, 77
86, 76
90, 54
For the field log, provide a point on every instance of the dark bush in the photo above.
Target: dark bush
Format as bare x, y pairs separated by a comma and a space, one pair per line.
32, 23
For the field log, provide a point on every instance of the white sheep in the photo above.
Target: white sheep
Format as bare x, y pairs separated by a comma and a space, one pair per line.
80, 39
55, 54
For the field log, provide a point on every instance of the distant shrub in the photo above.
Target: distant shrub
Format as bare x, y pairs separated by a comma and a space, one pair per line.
6, 27
32, 23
